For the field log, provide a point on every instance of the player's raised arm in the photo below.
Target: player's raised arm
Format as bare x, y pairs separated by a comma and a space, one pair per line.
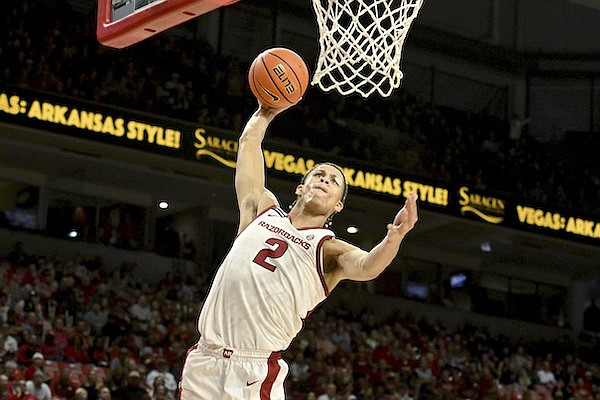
252, 196
350, 262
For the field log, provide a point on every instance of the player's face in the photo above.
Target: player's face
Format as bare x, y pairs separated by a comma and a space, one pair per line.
325, 184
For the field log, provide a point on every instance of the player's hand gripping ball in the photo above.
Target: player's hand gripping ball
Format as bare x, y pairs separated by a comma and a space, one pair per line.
278, 77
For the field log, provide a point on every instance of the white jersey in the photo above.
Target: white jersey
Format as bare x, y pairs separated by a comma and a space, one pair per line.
270, 281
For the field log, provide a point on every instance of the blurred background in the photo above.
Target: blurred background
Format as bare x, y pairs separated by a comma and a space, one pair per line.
120, 161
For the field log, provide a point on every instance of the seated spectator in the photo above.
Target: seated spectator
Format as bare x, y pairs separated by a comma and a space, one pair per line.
20, 391
99, 353
160, 392
104, 393
77, 351
62, 385
9, 345
330, 392
545, 374
299, 368
13, 372
92, 383
168, 242
18, 256
140, 311
47, 285
61, 333
188, 248
128, 232
49, 348
424, 379
37, 387
96, 317
6, 392
37, 364
162, 370
132, 389
80, 394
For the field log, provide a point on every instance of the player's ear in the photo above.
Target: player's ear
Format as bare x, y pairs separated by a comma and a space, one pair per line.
339, 207
299, 189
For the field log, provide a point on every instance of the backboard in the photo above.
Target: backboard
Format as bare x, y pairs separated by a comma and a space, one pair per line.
121, 23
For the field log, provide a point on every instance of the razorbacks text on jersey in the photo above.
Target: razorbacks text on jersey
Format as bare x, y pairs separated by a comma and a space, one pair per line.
270, 281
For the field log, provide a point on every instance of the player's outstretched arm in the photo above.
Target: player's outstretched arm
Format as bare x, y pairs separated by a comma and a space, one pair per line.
252, 196
351, 262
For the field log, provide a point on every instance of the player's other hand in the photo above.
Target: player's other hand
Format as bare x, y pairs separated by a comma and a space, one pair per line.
406, 218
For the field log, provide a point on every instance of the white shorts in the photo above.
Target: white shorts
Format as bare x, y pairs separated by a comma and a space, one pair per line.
231, 374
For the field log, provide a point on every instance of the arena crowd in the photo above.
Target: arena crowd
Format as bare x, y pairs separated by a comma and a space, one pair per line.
75, 328
83, 328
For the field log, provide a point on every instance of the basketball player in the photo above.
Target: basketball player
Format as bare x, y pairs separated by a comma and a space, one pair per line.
279, 268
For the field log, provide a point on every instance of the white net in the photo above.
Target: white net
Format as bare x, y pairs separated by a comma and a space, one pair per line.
360, 44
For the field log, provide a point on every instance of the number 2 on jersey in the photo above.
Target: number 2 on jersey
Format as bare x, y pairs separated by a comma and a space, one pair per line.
279, 249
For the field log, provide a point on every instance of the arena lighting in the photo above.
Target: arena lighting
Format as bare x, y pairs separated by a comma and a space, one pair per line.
163, 204
351, 229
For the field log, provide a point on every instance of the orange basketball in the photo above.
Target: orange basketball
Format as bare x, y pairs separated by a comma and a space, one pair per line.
278, 77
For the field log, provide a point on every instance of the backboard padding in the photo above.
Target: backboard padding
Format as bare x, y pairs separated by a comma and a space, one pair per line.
149, 20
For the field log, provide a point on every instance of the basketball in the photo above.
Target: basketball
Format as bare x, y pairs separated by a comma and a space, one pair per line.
278, 77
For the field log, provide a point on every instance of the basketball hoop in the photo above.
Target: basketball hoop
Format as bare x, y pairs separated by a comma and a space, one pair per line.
361, 43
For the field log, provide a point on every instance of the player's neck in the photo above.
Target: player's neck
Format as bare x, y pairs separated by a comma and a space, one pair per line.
301, 217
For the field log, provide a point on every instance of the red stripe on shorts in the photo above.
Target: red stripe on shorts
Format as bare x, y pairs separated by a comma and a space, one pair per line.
272, 372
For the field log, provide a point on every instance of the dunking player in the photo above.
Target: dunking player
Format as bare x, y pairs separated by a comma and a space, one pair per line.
279, 268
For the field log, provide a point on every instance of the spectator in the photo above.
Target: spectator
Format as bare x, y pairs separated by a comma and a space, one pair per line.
167, 239
424, 379
403, 393
104, 393
60, 333
27, 347
330, 393
20, 391
9, 344
160, 392
37, 364
62, 385
545, 374
96, 317
77, 351
47, 285
13, 372
128, 232
37, 387
6, 392
162, 370
92, 384
50, 349
188, 248
591, 317
299, 368
132, 389
18, 256
81, 394
141, 311
324, 342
